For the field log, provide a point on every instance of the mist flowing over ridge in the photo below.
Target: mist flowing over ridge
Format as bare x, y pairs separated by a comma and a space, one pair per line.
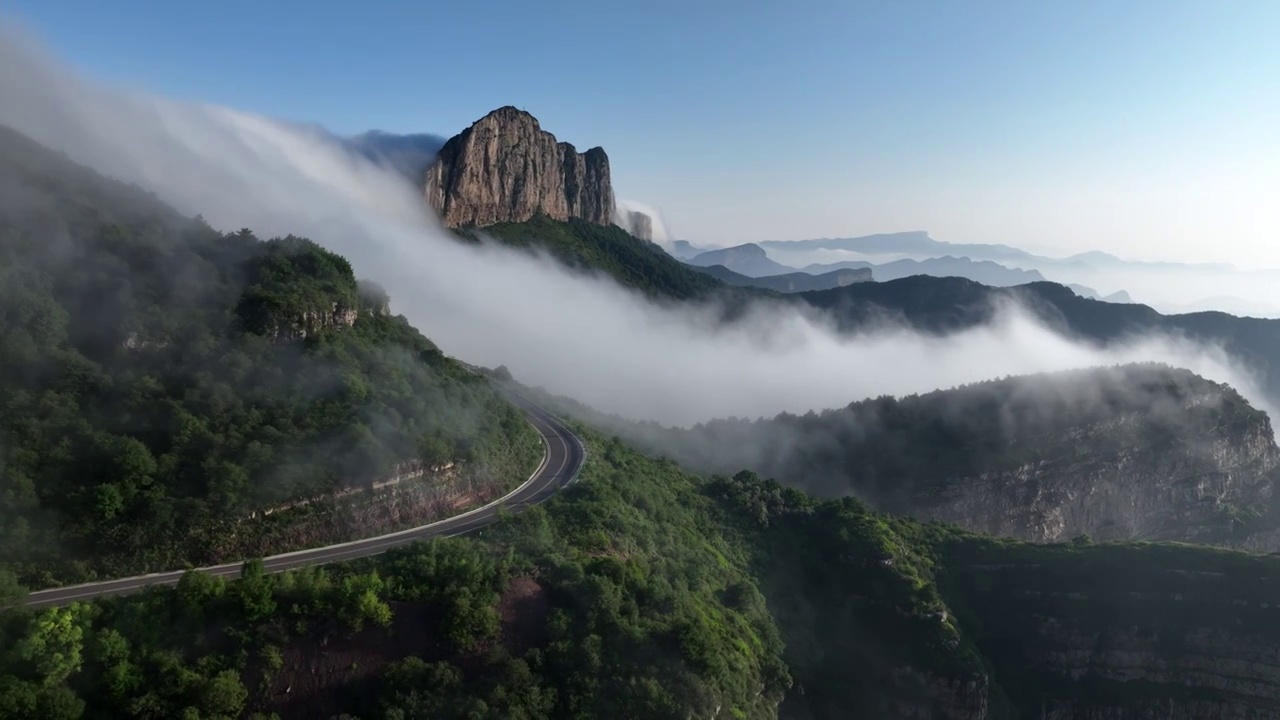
580, 336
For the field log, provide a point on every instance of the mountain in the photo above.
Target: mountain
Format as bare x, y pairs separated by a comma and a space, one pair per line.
506, 168
163, 384
931, 304
683, 250
919, 243
1102, 260
983, 271
634, 263
1083, 291
749, 260
752, 260
647, 592
1143, 452
915, 242
789, 282
160, 382
943, 305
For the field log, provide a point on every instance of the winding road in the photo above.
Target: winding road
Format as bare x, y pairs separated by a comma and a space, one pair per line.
562, 459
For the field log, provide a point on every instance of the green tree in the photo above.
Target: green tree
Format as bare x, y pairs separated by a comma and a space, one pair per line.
254, 592
224, 695
11, 592
53, 645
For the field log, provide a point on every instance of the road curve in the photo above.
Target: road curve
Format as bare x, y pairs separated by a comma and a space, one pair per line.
563, 456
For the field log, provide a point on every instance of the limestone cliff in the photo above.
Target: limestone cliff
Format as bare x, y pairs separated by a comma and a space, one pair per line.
506, 168
1138, 452
887, 617
1120, 632
1125, 487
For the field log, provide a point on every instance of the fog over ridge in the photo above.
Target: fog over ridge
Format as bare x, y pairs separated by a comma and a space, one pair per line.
584, 337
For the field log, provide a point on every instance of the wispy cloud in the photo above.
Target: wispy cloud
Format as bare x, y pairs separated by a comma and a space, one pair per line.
579, 335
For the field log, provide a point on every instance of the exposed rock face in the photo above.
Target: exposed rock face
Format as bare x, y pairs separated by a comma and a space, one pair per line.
926, 696
640, 225
1132, 453
506, 168
1120, 490
1188, 634
314, 321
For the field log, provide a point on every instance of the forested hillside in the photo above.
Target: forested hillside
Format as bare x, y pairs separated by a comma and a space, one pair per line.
634, 263
948, 304
162, 384
646, 592
1132, 452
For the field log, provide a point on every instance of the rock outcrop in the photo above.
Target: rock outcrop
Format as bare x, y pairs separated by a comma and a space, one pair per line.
1124, 488
639, 225
1141, 452
1114, 632
506, 168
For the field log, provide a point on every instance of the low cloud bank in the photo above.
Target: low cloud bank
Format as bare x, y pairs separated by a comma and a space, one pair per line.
580, 336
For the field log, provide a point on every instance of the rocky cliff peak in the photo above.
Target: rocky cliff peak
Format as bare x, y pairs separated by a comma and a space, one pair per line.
506, 168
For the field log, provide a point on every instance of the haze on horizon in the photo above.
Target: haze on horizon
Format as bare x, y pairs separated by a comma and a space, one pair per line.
581, 336
1146, 129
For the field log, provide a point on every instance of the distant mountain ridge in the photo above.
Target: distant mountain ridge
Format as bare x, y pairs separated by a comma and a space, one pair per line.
920, 243
749, 259
986, 272
684, 250
944, 305
789, 282
753, 261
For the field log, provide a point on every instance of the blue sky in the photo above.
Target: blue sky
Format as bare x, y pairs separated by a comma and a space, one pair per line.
1148, 129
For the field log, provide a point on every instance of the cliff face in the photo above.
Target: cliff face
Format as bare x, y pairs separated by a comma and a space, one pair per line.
1132, 453
886, 617
1121, 632
506, 168
1125, 487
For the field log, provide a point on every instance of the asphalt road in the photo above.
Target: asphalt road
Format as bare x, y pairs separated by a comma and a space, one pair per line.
562, 459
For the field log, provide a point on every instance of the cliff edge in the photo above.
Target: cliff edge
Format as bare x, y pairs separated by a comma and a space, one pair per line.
506, 168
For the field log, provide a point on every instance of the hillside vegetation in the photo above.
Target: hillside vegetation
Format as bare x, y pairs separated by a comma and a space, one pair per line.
161, 383
882, 448
610, 250
943, 305
646, 592
1131, 452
